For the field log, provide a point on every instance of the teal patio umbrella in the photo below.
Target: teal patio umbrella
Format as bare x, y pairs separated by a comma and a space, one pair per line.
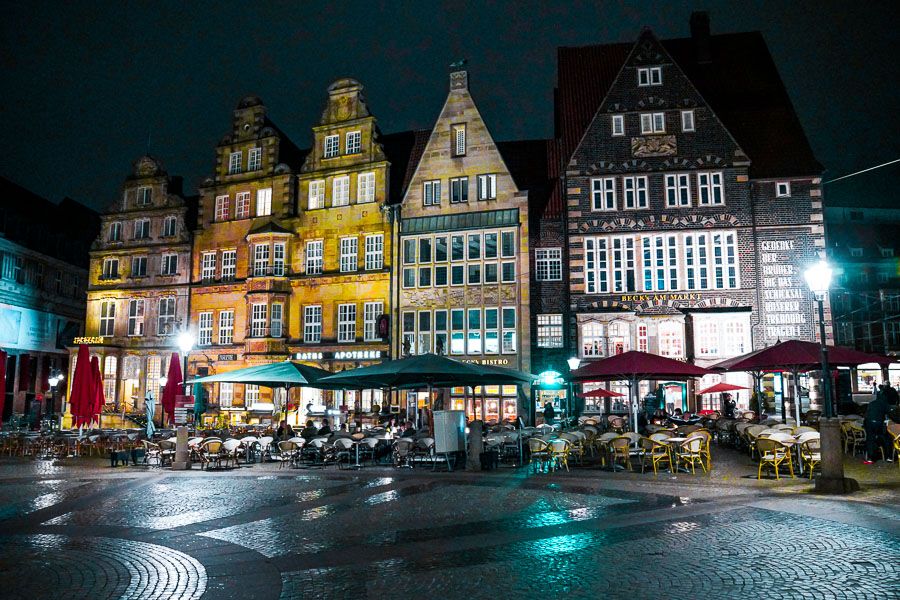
199, 401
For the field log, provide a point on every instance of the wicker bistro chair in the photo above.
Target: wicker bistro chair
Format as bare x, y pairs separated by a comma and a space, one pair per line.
249, 447
705, 447
771, 454
690, 452
265, 446
559, 453
602, 444
288, 452
616, 424
810, 450
751, 434
231, 449
620, 449
895, 441
166, 452
403, 452
854, 436
152, 452
798, 431
367, 448
576, 448
211, 453
655, 453
539, 453
343, 447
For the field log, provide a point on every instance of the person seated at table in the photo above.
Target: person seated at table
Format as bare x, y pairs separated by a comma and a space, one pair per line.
408, 430
309, 431
325, 429
284, 432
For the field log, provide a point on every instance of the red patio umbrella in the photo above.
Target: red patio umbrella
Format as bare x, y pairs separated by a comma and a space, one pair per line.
722, 387
97, 400
173, 385
82, 393
635, 366
3, 357
601, 393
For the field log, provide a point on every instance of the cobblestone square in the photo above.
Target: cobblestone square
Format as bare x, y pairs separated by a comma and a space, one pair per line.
83, 530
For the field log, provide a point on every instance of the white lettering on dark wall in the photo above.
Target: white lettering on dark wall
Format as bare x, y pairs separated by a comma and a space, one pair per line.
781, 290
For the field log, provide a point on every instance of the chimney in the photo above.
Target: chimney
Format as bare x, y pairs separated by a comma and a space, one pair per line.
700, 36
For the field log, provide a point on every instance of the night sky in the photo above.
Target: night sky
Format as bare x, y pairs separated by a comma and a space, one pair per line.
85, 84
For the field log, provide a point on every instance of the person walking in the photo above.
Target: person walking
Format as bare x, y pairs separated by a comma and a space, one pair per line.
876, 433
549, 413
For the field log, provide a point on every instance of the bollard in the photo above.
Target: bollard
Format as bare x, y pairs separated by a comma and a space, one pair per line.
476, 445
182, 461
832, 480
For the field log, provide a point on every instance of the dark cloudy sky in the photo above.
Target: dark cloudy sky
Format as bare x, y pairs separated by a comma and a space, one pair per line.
83, 85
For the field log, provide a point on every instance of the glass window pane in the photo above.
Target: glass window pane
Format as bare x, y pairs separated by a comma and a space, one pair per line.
474, 246
440, 249
490, 245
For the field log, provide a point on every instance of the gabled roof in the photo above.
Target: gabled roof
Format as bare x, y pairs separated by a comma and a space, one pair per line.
740, 83
528, 162
268, 227
404, 150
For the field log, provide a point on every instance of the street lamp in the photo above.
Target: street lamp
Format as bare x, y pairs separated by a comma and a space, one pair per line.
573, 362
185, 344
55, 379
818, 278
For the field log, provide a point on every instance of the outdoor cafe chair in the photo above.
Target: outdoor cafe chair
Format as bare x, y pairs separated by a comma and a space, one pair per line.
559, 453
620, 449
895, 442
402, 449
771, 454
810, 450
690, 452
751, 434
249, 446
166, 451
704, 448
854, 436
265, 446
288, 452
152, 452
803, 429
539, 453
423, 450
616, 424
659, 436
602, 444
342, 447
655, 453
211, 453
231, 451
367, 448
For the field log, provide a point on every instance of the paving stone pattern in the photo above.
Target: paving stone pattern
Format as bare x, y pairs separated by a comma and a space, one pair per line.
267, 533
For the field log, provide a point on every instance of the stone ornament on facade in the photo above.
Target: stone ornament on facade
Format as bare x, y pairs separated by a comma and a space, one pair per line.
653, 145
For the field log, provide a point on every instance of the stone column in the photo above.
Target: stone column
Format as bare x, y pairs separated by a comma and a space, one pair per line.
476, 445
832, 480
182, 461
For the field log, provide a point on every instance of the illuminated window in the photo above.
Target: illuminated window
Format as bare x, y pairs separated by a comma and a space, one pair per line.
340, 192
374, 252
332, 145
208, 266
549, 331
349, 254
593, 341
204, 329
223, 208
229, 263
234, 163
365, 187
371, 312
346, 323
254, 159
258, 320
226, 327
242, 205
264, 202
354, 142
603, 193
459, 139
312, 324
316, 194
314, 257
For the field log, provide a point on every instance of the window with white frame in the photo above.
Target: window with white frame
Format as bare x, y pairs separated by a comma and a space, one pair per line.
491, 331
226, 395
254, 159
208, 266
169, 264
332, 145
710, 190
642, 337
431, 192
242, 205
138, 266
107, 318
279, 251
678, 189
314, 257
312, 324
724, 260
226, 327
258, 319
276, 326
622, 263
340, 191
856, 252
473, 331
458, 139
346, 323
316, 194
408, 332
618, 125
354, 142
653, 123
671, 339
596, 266
115, 232
457, 331
349, 254
229, 264
440, 332
165, 322
374, 252
136, 317
142, 229
204, 329
109, 378
603, 193
887, 252
260, 260
696, 260
144, 196
132, 367
223, 208
687, 120
459, 190
365, 187
783, 189
110, 269
264, 202
251, 395
548, 264
169, 226
234, 162
593, 340
549, 331
371, 312
487, 187
649, 76
636, 192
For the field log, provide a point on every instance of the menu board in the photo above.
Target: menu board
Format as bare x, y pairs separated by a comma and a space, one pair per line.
184, 409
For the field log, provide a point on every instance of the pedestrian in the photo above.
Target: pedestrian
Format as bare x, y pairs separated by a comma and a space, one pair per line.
309, 431
549, 413
408, 430
876, 433
284, 432
891, 396
325, 429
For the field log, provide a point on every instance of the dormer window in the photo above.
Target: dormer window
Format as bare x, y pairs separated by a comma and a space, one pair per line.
649, 76
354, 142
618, 125
332, 145
783, 189
144, 196
254, 159
856, 252
234, 163
458, 139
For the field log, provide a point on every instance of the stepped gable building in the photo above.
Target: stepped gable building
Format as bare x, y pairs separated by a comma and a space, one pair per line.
693, 200
463, 272
138, 291
242, 263
43, 276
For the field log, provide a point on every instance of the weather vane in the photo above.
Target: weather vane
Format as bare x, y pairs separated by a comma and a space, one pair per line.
459, 64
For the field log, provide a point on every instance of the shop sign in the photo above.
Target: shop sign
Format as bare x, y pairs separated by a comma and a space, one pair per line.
89, 340
227, 357
660, 297
341, 355
495, 362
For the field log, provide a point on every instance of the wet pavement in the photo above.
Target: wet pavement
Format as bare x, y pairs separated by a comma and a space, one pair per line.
84, 530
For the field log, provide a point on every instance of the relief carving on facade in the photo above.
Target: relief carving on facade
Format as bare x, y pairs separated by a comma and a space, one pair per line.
474, 296
655, 145
508, 294
491, 295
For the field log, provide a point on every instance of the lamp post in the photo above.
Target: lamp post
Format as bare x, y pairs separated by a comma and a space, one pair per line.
832, 480
573, 362
55, 379
185, 344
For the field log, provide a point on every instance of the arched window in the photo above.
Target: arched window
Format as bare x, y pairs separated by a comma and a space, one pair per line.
619, 337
